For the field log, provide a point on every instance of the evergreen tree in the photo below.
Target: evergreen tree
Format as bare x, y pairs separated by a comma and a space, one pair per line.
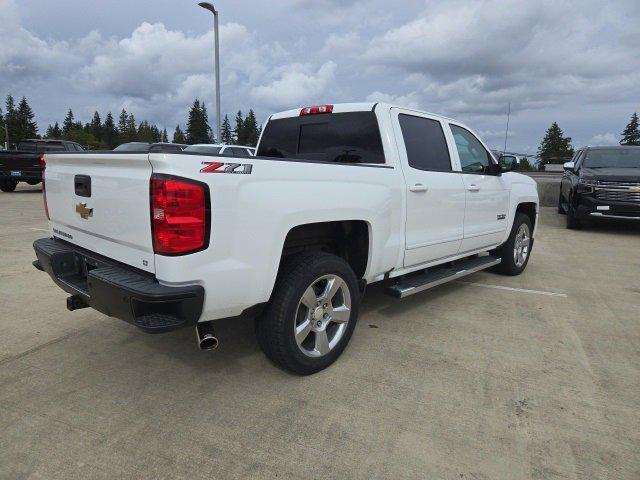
155, 132
28, 127
2, 130
226, 135
204, 119
54, 132
198, 129
68, 125
164, 138
132, 131
555, 147
95, 127
11, 121
631, 134
239, 130
251, 131
122, 125
178, 136
109, 132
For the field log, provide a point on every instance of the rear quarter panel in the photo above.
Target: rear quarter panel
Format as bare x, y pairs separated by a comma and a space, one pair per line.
252, 214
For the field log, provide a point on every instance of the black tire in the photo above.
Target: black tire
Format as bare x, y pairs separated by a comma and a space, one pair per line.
508, 265
275, 328
561, 209
573, 223
8, 185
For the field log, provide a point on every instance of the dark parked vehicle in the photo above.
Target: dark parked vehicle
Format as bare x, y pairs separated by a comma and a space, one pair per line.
144, 147
599, 183
25, 164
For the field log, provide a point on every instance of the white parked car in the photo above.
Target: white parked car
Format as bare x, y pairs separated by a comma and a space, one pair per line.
217, 149
338, 197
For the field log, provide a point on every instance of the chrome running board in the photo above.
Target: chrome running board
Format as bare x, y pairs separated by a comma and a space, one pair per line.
435, 276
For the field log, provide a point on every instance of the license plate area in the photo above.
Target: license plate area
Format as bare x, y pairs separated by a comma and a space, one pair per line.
73, 269
16, 173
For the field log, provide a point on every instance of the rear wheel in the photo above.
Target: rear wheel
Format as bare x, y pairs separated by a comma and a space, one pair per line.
515, 252
8, 185
312, 313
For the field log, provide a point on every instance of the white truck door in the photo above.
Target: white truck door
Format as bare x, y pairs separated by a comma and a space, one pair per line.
435, 193
487, 205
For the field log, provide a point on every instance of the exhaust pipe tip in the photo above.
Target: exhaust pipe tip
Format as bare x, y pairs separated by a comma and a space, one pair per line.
207, 339
208, 342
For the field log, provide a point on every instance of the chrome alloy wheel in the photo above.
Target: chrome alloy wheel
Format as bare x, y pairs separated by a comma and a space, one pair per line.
322, 315
521, 245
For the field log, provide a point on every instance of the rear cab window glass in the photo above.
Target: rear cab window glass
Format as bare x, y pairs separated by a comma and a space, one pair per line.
425, 143
474, 158
240, 152
350, 137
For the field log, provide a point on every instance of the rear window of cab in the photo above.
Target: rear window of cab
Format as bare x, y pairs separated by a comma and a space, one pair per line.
350, 137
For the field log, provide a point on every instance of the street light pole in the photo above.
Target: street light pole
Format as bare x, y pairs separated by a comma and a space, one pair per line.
211, 8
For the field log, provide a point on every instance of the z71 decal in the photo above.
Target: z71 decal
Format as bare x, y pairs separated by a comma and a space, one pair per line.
219, 167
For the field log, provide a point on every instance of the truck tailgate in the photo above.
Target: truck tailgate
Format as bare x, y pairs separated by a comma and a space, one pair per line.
101, 202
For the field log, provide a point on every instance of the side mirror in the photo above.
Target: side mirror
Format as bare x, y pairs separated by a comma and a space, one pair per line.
569, 166
508, 163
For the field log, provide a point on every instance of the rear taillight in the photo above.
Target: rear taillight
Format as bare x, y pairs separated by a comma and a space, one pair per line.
316, 110
43, 164
179, 215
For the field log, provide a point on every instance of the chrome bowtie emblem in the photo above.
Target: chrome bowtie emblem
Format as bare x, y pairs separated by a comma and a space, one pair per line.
83, 211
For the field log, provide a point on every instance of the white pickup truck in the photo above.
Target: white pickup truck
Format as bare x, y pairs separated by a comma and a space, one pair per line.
338, 197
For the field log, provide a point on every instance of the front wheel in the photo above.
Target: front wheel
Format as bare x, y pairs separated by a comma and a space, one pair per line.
573, 222
561, 209
515, 252
8, 185
312, 313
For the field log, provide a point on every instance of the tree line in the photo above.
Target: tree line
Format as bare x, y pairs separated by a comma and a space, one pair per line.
18, 122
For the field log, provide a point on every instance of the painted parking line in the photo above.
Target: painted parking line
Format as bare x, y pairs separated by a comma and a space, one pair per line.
511, 289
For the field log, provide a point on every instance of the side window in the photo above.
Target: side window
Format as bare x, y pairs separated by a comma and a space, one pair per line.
578, 158
425, 143
474, 158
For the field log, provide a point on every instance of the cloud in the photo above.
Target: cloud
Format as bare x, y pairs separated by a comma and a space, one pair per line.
297, 84
604, 139
410, 100
475, 57
340, 44
569, 61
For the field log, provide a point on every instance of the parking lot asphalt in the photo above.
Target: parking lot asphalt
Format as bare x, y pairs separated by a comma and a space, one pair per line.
540, 379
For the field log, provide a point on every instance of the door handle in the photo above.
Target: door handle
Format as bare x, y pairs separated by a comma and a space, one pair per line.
473, 188
418, 187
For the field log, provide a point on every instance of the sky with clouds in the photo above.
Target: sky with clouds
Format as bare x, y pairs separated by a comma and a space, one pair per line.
575, 62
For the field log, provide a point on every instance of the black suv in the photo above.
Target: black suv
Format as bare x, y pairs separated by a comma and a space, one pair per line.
601, 182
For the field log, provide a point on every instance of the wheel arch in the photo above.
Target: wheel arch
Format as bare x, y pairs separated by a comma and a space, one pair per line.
348, 239
530, 210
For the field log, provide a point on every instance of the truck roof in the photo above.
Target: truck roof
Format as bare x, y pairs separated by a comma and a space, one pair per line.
355, 107
46, 140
